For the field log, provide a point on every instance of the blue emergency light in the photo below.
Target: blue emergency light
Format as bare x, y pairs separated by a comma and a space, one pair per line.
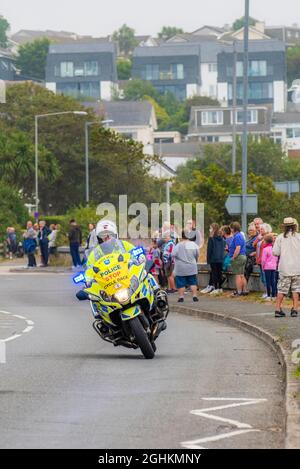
79, 278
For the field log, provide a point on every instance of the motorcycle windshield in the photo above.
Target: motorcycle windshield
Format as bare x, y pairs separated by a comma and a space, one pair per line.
113, 274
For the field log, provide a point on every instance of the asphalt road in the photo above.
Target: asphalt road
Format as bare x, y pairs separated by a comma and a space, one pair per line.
62, 387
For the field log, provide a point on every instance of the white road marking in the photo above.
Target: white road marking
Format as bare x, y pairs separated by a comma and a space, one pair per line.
195, 444
243, 427
28, 328
2, 352
221, 419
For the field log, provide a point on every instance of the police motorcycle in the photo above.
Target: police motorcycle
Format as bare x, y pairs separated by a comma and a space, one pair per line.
129, 308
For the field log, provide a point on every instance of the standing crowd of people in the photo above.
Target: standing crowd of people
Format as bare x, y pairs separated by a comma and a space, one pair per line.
174, 256
277, 257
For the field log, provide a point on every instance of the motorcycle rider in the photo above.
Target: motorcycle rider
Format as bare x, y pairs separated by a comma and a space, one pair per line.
109, 243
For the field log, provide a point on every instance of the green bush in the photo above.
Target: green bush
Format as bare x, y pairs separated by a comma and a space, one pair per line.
12, 210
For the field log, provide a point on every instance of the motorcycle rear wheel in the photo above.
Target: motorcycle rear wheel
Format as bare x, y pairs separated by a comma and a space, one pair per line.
141, 338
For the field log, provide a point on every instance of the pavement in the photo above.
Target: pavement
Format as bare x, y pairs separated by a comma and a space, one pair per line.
282, 335
210, 385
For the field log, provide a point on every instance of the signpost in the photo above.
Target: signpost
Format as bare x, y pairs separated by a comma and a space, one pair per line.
2, 92
288, 187
234, 204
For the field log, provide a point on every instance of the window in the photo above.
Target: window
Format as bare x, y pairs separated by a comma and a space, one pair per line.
179, 91
252, 116
257, 68
150, 72
276, 137
213, 67
177, 72
4, 65
257, 91
212, 91
81, 89
91, 68
212, 117
66, 69
293, 132
78, 70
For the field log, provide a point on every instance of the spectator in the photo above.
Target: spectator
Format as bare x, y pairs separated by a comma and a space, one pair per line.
154, 257
193, 234
75, 240
43, 234
237, 254
11, 242
215, 257
250, 251
257, 223
168, 260
259, 244
30, 244
91, 241
186, 255
52, 239
227, 235
269, 266
287, 247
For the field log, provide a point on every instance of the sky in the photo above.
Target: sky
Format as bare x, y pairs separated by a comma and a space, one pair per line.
102, 17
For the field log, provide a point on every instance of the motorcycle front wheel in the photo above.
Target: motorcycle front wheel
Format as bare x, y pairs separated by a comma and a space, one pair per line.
142, 338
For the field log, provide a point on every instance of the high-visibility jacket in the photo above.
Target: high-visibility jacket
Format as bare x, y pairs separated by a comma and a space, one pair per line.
109, 247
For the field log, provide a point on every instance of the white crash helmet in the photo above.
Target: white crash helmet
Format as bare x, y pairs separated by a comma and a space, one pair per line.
106, 228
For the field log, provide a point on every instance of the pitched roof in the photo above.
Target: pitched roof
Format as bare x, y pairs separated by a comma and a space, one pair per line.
230, 35
125, 113
189, 37
215, 29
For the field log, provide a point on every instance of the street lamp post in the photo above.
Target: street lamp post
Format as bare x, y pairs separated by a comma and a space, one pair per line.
36, 121
245, 118
87, 169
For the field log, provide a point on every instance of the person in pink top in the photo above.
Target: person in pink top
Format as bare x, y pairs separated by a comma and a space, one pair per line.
269, 266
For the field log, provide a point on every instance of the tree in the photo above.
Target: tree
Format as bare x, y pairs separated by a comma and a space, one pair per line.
4, 27
135, 90
12, 208
17, 162
125, 36
240, 23
265, 158
124, 67
32, 58
116, 165
293, 64
169, 31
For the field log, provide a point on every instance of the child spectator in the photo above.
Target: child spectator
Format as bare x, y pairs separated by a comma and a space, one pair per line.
269, 266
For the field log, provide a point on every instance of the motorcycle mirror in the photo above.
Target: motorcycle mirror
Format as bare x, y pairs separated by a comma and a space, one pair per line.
96, 270
82, 295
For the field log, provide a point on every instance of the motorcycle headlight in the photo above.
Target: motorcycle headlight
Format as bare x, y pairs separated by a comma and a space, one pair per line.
105, 296
134, 284
123, 295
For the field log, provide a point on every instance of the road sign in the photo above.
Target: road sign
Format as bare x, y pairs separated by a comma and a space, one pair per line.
289, 187
234, 204
2, 92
